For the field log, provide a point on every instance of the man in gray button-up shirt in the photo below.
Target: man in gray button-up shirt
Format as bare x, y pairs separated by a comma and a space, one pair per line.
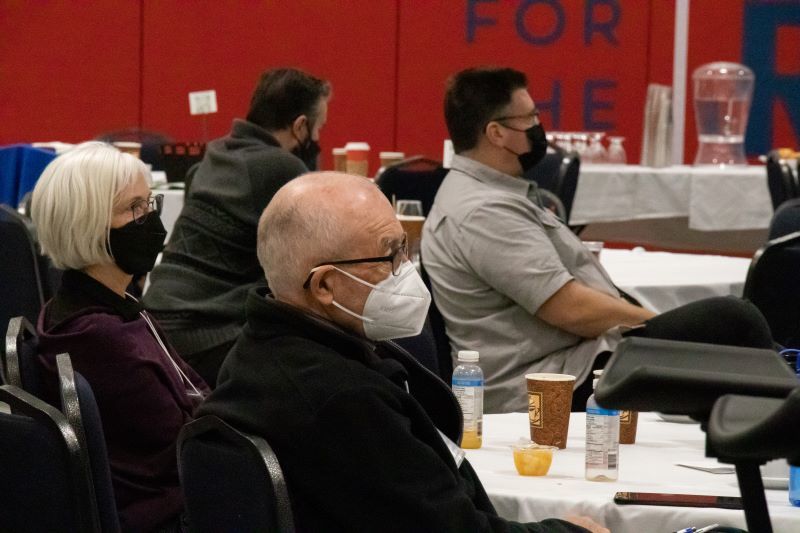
511, 280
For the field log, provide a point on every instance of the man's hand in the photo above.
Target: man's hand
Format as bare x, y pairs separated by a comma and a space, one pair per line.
586, 522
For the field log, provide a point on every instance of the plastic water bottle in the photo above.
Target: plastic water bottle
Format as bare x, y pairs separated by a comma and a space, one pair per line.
794, 471
602, 440
468, 388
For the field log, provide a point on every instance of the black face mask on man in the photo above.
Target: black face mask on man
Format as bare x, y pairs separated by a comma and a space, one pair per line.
135, 247
308, 151
537, 139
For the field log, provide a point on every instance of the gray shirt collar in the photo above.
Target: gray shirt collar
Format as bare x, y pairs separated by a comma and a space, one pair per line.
491, 176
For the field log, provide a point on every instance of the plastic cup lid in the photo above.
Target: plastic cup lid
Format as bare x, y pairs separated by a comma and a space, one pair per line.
354, 146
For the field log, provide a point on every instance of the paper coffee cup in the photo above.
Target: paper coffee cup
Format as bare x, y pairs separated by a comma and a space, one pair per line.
628, 420
357, 158
390, 158
549, 404
129, 147
340, 160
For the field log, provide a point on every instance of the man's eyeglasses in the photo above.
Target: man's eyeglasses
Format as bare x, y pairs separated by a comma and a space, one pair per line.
397, 259
532, 116
142, 208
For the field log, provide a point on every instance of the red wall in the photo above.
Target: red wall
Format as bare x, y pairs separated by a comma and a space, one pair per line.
72, 70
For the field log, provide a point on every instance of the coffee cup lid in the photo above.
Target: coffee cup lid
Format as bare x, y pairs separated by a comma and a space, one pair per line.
545, 376
356, 146
339, 151
392, 154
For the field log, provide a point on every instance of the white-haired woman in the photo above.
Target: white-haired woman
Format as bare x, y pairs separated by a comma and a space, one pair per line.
97, 219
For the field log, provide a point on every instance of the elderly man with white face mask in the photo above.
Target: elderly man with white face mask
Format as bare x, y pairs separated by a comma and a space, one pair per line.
365, 435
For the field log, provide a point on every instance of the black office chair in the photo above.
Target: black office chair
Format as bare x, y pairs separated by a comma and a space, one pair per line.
558, 173
781, 180
748, 431
80, 408
44, 478
688, 378
436, 322
231, 481
422, 347
786, 219
773, 286
21, 368
416, 178
22, 291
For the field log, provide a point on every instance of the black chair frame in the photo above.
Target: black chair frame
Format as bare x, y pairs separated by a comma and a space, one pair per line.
19, 330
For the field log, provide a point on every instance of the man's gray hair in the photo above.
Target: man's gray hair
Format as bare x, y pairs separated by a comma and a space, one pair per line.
293, 237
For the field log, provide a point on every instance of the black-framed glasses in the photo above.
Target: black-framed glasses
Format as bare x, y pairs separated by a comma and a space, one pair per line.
396, 259
142, 208
533, 115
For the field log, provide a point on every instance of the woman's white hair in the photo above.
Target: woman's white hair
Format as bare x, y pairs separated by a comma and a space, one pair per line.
73, 202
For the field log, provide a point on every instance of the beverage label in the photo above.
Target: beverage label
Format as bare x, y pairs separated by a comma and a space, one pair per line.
469, 393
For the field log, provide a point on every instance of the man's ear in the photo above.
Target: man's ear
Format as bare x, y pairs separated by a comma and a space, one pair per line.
322, 284
495, 133
299, 126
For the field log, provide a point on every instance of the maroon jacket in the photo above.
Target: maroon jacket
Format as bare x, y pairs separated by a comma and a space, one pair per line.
142, 399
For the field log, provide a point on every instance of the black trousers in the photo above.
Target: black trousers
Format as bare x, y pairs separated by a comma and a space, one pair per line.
725, 320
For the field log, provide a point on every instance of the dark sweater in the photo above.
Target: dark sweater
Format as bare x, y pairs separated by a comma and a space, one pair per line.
359, 452
141, 397
198, 290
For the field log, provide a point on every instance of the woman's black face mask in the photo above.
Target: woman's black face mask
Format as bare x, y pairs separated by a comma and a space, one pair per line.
135, 247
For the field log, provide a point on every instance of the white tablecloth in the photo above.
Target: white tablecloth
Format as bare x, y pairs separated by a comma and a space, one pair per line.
713, 199
647, 466
662, 281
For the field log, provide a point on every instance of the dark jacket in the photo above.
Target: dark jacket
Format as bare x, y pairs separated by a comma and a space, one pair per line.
142, 399
198, 290
359, 452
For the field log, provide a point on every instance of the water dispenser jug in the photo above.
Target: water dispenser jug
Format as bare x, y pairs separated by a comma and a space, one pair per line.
722, 95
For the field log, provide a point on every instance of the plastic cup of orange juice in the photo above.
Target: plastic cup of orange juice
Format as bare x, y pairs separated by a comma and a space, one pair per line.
532, 459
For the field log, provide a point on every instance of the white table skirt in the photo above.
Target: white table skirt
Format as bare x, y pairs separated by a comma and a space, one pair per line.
662, 281
647, 466
713, 199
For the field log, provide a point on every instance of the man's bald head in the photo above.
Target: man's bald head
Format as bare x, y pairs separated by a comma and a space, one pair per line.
317, 217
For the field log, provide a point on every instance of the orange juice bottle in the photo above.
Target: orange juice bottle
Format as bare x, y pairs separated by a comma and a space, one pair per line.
468, 389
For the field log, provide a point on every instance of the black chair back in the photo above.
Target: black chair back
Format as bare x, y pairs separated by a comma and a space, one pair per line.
436, 322
19, 262
558, 173
781, 180
44, 477
413, 179
748, 431
231, 481
22, 369
773, 286
422, 347
786, 219
80, 408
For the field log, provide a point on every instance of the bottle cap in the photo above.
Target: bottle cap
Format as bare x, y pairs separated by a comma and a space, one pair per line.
594, 383
597, 373
468, 356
